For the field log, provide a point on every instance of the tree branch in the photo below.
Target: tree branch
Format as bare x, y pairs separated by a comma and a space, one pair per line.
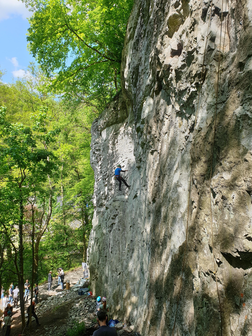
84, 68
87, 45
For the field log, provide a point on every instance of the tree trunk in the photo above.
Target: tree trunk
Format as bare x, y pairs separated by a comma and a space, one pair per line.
36, 258
39, 236
20, 256
84, 221
1, 264
33, 266
64, 222
83, 231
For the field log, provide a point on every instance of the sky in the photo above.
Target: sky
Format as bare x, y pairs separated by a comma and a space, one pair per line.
14, 55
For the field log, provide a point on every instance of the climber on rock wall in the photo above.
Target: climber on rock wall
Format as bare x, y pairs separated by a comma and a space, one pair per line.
119, 178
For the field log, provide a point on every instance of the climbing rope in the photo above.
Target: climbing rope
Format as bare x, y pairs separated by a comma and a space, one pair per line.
212, 163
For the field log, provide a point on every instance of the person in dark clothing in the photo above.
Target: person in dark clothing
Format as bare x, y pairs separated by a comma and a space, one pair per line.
104, 330
36, 290
119, 178
31, 312
62, 275
49, 280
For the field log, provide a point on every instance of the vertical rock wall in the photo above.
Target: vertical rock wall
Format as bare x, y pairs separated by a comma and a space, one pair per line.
174, 253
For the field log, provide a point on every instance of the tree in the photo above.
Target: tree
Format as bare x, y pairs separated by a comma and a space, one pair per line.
27, 96
77, 178
25, 163
51, 207
78, 44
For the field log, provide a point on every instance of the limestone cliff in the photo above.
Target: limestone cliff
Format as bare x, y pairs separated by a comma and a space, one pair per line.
174, 253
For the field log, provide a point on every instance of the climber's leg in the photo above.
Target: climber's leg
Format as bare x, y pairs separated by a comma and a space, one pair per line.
119, 180
122, 179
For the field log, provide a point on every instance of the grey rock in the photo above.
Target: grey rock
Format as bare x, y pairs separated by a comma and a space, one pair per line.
173, 253
119, 326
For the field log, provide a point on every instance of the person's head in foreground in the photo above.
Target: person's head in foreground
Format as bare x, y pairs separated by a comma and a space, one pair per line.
102, 317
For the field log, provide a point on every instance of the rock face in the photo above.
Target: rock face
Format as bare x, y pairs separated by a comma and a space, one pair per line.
173, 254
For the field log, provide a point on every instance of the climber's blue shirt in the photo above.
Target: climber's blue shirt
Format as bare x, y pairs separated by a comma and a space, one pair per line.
117, 171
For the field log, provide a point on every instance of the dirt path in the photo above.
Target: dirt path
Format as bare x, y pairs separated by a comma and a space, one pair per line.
53, 320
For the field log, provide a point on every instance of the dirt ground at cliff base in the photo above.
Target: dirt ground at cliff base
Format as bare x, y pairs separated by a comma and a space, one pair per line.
53, 320
48, 322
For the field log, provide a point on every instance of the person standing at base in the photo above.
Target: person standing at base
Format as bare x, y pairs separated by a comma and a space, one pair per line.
119, 178
2, 293
11, 294
49, 280
4, 301
85, 270
7, 323
27, 290
59, 281
15, 296
104, 330
31, 312
62, 275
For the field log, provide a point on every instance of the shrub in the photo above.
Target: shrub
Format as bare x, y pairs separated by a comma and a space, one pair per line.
77, 329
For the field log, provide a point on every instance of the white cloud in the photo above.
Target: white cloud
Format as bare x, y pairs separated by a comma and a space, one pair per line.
21, 74
14, 61
10, 7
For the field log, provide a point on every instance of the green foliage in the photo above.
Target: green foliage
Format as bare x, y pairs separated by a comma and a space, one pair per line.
47, 148
77, 330
26, 96
79, 45
60, 247
21, 151
76, 179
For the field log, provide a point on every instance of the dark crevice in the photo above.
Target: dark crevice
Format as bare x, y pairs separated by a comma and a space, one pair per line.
190, 57
248, 237
249, 192
213, 193
219, 262
242, 260
216, 11
178, 51
241, 66
204, 13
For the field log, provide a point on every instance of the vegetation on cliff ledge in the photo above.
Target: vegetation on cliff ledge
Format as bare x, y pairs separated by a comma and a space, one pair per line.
79, 45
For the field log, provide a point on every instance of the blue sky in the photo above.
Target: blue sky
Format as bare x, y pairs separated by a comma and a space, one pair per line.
14, 55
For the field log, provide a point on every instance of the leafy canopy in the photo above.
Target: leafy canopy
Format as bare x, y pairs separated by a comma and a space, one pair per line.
78, 44
23, 150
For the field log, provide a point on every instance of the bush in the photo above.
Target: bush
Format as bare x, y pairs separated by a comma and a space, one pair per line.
77, 330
